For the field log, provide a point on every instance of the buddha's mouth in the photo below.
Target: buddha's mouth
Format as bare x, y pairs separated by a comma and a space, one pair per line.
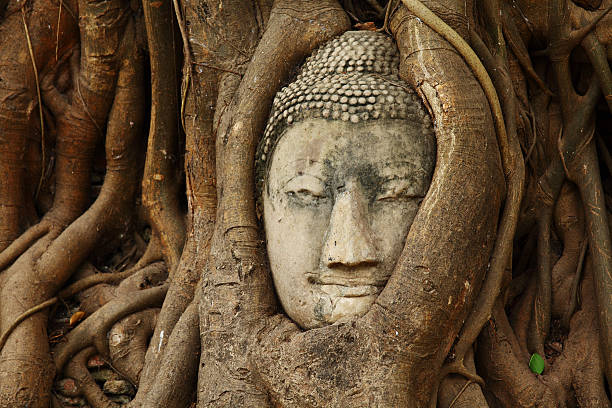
348, 286
351, 291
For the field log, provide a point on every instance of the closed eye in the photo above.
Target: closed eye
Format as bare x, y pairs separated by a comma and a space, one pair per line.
306, 189
398, 189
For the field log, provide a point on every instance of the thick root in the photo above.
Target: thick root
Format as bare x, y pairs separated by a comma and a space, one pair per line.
176, 379
77, 370
128, 341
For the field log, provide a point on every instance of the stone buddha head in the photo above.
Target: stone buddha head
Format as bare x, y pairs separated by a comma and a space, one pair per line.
346, 159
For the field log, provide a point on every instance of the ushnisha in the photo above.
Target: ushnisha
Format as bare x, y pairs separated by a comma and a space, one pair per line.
353, 78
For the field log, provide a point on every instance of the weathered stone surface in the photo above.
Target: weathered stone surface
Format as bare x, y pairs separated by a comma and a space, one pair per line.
346, 159
338, 205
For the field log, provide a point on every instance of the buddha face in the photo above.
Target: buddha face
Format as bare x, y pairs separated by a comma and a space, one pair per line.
338, 203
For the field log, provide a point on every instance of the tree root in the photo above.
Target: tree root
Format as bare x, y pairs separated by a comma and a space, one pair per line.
597, 55
176, 378
22, 317
580, 161
501, 362
19, 114
455, 391
99, 295
583, 349
578, 367
569, 224
202, 207
94, 329
573, 294
600, 246
77, 369
140, 268
439, 26
43, 269
513, 169
542, 302
521, 316
160, 179
83, 284
21, 244
180, 295
128, 341
40, 102
513, 37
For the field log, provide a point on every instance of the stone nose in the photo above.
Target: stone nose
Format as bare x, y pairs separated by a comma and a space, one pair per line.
349, 240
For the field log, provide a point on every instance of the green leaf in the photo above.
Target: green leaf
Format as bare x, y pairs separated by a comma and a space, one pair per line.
536, 363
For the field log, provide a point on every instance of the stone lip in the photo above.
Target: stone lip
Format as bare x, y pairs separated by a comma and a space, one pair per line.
348, 286
351, 291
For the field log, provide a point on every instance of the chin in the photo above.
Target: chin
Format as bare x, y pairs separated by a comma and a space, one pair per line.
351, 308
337, 309
324, 309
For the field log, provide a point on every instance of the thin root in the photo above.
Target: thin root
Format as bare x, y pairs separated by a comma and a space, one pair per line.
467, 383
103, 319
71, 290
21, 244
40, 104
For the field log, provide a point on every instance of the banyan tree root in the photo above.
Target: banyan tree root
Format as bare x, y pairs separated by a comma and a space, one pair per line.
571, 147
512, 162
569, 221
97, 296
160, 181
180, 294
103, 282
85, 383
439, 98
128, 337
497, 343
457, 391
575, 376
93, 331
177, 374
109, 67
202, 206
20, 122
128, 340
579, 157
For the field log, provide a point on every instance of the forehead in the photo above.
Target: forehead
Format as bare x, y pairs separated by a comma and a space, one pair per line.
383, 144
